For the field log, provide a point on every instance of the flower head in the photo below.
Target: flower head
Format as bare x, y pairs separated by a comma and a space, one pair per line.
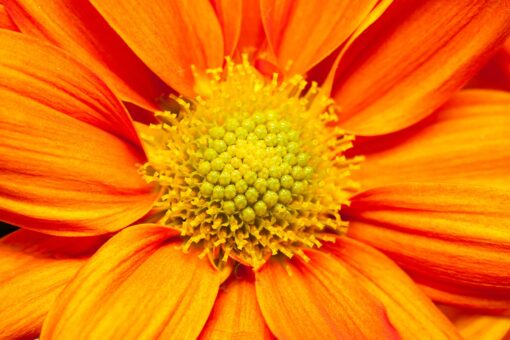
223, 169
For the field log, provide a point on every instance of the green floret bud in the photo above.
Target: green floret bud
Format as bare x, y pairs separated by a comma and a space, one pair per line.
270, 198
230, 191
248, 214
251, 195
204, 167
260, 208
217, 132
218, 192
240, 201
213, 177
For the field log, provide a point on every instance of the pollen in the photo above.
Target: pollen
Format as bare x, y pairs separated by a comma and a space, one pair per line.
251, 168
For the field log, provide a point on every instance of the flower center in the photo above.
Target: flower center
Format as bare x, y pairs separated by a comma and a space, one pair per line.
252, 168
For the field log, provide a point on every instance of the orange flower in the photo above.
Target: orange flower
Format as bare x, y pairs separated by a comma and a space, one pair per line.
114, 229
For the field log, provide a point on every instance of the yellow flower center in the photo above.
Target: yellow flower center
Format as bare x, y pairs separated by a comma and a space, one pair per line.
251, 168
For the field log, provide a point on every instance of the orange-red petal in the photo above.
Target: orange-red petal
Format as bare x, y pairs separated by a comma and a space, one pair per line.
68, 152
478, 326
34, 268
169, 36
140, 284
6, 20
470, 298
413, 59
236, 313
252, 34
318, 300
229, 14
455, 236
78, 28
496, 73
305, 32
409, 310
466, 141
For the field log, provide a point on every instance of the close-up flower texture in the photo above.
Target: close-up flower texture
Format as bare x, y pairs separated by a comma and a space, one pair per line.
256, 169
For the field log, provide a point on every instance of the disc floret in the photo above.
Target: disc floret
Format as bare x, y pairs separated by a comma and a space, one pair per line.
251, 169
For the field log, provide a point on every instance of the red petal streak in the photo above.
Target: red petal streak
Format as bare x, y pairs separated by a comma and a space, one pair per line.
6, 20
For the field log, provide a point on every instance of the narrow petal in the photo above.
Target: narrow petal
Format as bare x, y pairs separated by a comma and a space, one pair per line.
169, 36
455, 236
68, 152
252, 34
78, 28
6, 20
413, 59
305, 32
483, 327
318, 300
34, 268
229, 14
327, 69
459, 296
409, 310
140, 284
478, 326
466, 141
236, 313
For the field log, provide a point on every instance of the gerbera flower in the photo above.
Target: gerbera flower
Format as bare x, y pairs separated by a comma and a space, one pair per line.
238, 212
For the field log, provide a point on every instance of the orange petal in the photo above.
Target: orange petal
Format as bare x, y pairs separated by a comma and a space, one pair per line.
229, 14
409, 310
305, 32
6, 20
470, 298
478, 326
169, 36
318, 300
483, 327
324, 73
455, 236
34, 268
236, 313
466, 141
140, 284
413, 58
68, 152
78, 28
252, 32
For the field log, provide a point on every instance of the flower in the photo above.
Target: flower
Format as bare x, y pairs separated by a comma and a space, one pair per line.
114, 230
